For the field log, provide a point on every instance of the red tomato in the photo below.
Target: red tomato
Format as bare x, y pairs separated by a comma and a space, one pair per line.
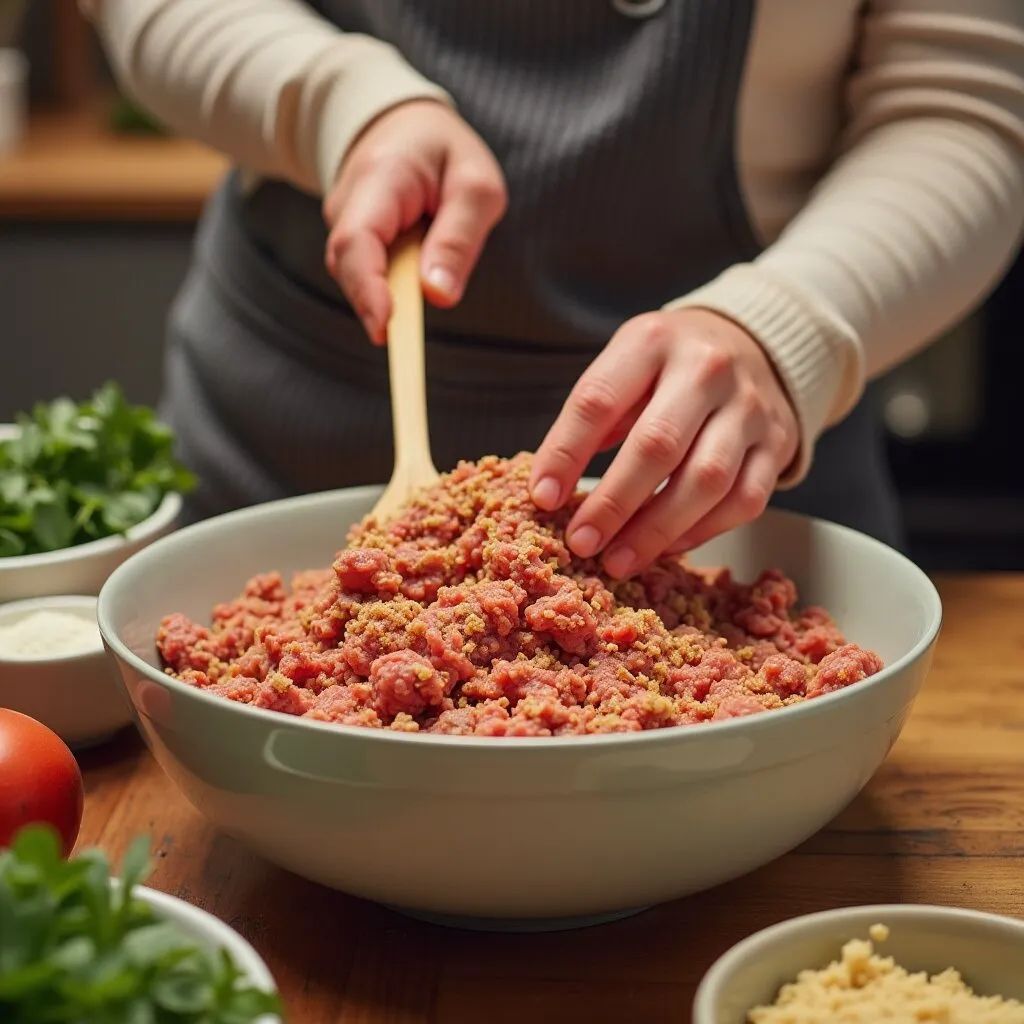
39, 780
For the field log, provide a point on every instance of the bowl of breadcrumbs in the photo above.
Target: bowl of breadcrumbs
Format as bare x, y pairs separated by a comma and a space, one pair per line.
902, 964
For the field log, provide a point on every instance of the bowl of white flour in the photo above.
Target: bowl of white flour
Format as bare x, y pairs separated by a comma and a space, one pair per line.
54, 669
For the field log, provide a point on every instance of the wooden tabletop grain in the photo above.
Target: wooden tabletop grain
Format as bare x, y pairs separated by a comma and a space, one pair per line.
942, 822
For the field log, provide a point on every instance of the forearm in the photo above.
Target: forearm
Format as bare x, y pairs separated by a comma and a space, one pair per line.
908, 233
905, 235
270, 83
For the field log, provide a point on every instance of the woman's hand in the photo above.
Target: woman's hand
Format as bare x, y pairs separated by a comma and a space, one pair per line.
696, 403
419, 159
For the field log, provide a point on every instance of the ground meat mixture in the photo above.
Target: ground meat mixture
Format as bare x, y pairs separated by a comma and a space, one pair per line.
467, 615
864, 988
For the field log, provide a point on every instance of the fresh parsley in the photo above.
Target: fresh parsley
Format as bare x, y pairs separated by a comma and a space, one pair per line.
76, 948
78, 472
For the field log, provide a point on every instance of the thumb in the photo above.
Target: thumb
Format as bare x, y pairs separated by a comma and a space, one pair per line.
473, 200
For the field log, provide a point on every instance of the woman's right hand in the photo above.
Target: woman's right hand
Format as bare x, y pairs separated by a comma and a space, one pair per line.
417, 160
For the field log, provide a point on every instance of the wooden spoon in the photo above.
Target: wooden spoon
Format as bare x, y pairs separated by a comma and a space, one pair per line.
414, 467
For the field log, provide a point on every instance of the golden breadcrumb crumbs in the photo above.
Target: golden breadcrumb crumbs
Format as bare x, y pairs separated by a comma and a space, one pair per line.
467, 614
865, 988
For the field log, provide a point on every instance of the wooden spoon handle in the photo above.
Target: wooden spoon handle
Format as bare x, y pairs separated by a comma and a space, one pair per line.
406, 358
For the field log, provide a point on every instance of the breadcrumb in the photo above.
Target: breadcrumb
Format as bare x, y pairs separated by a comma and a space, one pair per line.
865, 988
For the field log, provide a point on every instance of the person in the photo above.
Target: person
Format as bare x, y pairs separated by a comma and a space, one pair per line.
671, 240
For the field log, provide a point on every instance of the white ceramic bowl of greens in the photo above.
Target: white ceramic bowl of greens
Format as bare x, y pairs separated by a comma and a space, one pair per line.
82, 565
519, 832
82, 569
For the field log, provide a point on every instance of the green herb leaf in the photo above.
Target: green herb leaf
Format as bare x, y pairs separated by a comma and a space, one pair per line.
27, 447
183, 992
10, 543
13, 487
53, 527
19, 985
74, 955
248, 1005
39, 847
123, 511
141, 1011
156, 942
135, 866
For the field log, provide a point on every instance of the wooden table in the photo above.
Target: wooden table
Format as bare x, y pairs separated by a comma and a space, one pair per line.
942, 822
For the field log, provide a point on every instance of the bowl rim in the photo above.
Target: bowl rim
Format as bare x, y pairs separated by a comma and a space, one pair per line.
11, 609
718, 976
213, 929
747, 725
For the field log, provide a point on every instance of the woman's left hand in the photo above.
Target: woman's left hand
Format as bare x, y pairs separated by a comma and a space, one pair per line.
695, 402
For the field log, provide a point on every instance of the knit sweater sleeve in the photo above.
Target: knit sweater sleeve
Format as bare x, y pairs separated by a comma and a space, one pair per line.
915, 221
268, 82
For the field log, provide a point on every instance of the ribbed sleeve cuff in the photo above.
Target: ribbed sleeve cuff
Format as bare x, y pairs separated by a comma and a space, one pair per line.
366, 87
818, 358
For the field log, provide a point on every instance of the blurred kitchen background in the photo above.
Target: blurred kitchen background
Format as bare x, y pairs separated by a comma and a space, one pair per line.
97, 214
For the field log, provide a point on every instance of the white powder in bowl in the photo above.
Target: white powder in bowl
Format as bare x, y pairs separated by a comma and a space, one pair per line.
49, 634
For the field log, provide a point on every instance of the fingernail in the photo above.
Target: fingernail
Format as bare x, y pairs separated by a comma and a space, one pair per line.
547, 493
585, 541
620, 563
443, 281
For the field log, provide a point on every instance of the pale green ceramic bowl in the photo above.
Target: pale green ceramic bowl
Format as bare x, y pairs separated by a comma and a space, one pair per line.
522, 833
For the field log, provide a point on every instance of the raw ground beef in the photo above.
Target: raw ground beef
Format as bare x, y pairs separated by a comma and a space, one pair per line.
467, 615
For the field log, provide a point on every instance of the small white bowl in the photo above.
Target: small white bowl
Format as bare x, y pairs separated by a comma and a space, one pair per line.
213, 934
78, 695
986, 949
84, 568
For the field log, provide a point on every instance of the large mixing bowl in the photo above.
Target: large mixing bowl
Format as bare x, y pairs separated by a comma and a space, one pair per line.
525, 830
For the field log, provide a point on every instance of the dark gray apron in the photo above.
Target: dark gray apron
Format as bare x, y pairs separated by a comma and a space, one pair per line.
616, 138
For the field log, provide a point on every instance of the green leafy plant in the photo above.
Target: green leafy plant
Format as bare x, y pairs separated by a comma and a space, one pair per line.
77, 948
78, 472
129, 119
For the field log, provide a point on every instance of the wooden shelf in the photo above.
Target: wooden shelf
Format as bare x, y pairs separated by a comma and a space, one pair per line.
73, 167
